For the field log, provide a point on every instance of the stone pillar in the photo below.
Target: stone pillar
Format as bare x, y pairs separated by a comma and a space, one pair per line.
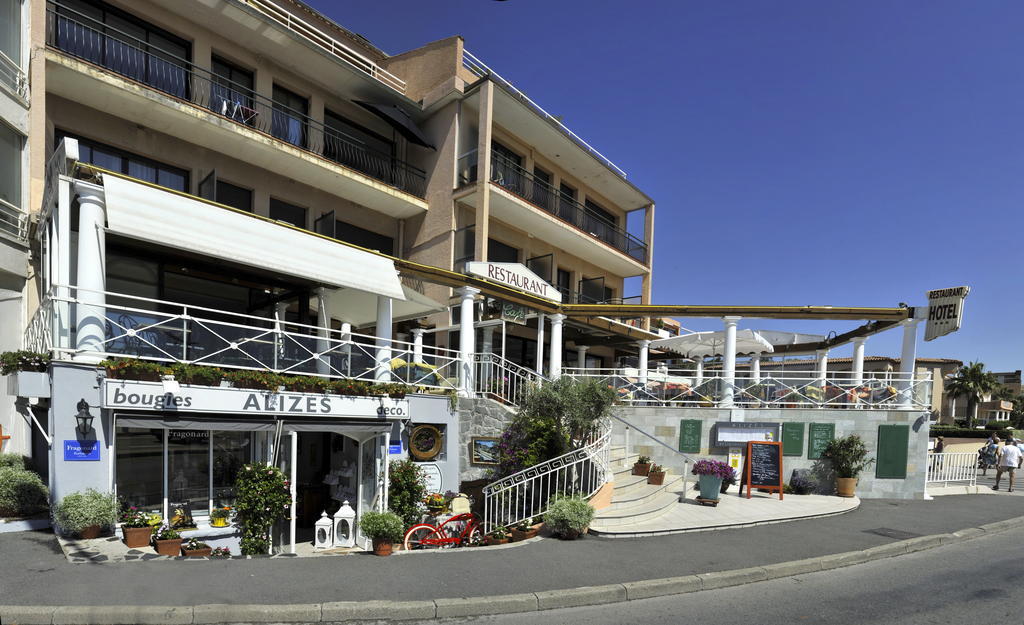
858, 360
581, 356
467, 337
556, 345
729, 362
323, 324
383, 356
908, 357
417, 345
642, 365
540, 343
92, 279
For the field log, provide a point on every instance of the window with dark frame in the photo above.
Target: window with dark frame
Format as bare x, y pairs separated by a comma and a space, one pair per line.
360, 148
498, 252
291, 112
364, 238
132, 165
288, 213
234, 196
231, 91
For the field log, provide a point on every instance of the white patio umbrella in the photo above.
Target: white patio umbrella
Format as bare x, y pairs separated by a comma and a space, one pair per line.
703, 344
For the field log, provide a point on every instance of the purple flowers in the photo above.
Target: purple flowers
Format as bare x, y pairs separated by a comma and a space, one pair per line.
716, 468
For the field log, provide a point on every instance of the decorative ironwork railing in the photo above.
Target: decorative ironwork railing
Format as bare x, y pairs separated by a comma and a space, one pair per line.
79, 36
892, 391
500, 379
959, 467
528, 493
13, 77
13, 222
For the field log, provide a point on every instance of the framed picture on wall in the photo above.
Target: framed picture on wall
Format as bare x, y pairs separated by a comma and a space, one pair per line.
483, 450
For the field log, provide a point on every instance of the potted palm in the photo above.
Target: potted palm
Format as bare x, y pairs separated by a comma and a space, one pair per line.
135, 528
383, 528
642, 466
656, 475
710, 475
86, 513
849, 457
168, 541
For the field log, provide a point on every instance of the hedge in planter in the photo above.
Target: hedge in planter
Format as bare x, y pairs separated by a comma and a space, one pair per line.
13, 362
22, 493
568, 517
14, 461
263, 499
80, 511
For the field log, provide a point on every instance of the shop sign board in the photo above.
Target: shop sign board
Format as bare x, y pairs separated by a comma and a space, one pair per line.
515, 275
432, 477
733, 433
513, 313
151, 396
945, 311
77, 451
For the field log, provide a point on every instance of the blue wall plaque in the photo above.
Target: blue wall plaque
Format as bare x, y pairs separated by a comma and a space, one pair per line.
77, 450
394, 449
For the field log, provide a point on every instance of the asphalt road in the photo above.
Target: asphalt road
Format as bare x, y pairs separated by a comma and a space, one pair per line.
975, 582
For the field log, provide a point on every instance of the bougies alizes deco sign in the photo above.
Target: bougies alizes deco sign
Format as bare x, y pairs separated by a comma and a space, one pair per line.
151, 396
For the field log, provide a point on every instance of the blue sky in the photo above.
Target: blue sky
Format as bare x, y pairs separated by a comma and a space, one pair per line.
800, 152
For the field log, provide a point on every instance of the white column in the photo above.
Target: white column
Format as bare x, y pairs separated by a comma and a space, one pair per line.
556, 345
822, 356
417, 345
581, 356
383, 355
540, 343
700, 373
292, 479
323, 323
467, 337
755, 368
908, 357
858, 360
346, 349
642, 365
729, 362
92, 279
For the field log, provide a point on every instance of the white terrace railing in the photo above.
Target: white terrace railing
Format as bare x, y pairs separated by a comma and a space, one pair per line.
13, 222
500, 379
800, 389
526, 494
958, 468
13, 77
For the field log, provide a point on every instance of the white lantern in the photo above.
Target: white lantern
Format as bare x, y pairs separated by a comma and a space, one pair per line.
344, 530
324, 536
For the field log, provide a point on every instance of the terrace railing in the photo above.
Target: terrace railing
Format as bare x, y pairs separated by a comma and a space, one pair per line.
959, 468
500, 379
13, 77
772, 390
82, 37
13, 222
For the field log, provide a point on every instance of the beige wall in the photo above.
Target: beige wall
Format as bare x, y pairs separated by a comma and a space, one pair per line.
428, 67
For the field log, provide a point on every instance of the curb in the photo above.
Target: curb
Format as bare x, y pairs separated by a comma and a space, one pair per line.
478, 606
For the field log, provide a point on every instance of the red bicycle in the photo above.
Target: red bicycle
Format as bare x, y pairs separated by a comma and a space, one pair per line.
458, 531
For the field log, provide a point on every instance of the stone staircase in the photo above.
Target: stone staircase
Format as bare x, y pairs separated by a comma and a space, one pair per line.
633, 499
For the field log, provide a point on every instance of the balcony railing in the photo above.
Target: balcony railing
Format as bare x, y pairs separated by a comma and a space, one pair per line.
13, 77
546, 197
79, 36
13, 222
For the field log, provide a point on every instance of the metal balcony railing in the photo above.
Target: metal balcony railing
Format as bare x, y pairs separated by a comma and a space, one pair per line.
82, 37
13, 76
13, 222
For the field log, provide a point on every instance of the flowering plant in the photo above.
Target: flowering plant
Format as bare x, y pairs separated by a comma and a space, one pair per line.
193, 544
657, 468
500, 533
716, 468
133, 517
12, 362
435, 500
221, 552
166, 533
263, 499
221, 513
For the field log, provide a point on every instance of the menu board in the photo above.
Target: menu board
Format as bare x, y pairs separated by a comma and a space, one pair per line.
792, 439
763, 467
689, 436
818, 437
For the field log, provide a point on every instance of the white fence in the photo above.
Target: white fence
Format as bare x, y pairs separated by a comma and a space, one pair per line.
959, 468
500, 379
13, 222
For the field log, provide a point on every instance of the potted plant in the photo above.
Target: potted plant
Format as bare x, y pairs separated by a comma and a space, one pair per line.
135, 528
728, 481
710, 474
220, 516
194, 548
849, 456
498, 536
220, 552
436, 503
167, 541
656, 475
134, 369
642, 466
569, 517
197, 374
86, 513
383, 528
526, 529
26, 373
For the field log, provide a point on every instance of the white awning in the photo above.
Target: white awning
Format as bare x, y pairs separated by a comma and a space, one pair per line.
360, 309
149, 214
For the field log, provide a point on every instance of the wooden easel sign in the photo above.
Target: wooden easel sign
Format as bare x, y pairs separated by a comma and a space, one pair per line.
763, 467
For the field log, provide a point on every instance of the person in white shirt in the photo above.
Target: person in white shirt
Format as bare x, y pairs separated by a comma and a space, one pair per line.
1009, 459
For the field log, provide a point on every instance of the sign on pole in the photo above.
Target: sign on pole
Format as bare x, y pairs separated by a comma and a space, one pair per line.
945, 310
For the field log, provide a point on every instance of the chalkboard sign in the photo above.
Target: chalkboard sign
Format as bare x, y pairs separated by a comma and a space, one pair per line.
763, 467
818, 437
792, 439
689, 436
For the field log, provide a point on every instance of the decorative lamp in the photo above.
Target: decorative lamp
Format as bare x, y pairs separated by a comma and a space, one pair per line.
83, 417
344, 526
323, 532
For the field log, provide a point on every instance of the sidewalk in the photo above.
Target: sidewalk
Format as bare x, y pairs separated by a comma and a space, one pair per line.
33, 561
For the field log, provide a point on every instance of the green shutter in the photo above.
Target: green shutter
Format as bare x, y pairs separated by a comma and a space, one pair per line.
792, 439
891, 460
689, 436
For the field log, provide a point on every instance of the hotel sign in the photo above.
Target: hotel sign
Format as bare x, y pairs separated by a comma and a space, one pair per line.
190, 399
515, 275
945, 311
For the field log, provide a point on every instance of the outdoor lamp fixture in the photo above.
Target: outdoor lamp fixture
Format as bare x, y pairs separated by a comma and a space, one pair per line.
83, 417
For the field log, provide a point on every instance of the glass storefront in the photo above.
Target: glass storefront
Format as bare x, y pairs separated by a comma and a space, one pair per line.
139, 467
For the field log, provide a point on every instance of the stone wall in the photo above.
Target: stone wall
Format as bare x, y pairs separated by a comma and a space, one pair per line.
662, 424
478, 417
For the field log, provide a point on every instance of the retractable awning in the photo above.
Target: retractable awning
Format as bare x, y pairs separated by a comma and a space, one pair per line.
148, 213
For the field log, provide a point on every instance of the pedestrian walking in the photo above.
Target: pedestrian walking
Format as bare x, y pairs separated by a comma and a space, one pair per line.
987, 454
940, 445
1009, 460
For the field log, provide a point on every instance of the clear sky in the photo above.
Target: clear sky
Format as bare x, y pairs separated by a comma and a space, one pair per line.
800, 152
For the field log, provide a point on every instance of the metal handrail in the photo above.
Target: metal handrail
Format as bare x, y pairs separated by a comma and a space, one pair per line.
127, 56
14, 76
499, 378
686, 459
13, 221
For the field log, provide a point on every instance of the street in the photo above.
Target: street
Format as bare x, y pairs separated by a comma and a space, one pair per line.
977, 581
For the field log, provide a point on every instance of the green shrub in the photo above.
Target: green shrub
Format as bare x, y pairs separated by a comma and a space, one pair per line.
14, 461
568, 517
408, 487
12, 362
955, 432
83, 509
848, 454
382, 526
263, 498
22, 493
998, 425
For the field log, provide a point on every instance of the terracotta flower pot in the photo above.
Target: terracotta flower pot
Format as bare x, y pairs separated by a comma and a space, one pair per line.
497, 541
518, 535
93, 531
845, 486
382, 547
171, 547
656, 477
641, 469
197, 552
135, 537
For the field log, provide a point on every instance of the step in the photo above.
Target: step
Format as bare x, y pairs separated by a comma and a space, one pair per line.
652, 509
639, 493
625, 468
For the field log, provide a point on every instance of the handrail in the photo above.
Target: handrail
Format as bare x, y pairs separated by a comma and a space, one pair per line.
686, 459
13, 221
14, 76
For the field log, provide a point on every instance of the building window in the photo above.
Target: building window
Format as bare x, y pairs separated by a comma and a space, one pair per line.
357, 147
10, 30
288, 213
542, 189
599, 222
567, 203
498, 252
234, 196
231, 91
140, 456
139, 167
291, 112
363, 238
11, 145
564, 283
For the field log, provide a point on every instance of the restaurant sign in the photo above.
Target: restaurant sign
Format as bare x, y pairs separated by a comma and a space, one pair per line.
515, 275
151, 396
945, 311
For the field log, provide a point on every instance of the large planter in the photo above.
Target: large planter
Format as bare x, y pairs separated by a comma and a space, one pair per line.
845, 486
656, 477
170, 547
93, 531
197, 552
491, 541
710, 486
382, 547
135, 537
518, 535
28, 384
641, 469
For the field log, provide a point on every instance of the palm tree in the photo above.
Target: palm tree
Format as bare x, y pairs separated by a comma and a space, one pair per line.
973, 382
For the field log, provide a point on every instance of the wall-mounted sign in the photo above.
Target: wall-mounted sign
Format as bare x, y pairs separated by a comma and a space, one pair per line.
151, 396
945, 311
434, 482
425, 442
515, 275
513, 313
76, 450
733, 434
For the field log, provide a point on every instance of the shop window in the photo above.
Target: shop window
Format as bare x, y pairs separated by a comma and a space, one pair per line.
230, 454
188, 466
139, 466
